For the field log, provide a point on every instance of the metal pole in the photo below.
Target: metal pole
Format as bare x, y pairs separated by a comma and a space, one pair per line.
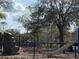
78, 48
33, 52
78, 40
34, 48
75, 51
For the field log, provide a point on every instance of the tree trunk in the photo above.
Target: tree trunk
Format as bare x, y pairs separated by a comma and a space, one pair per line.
61, 35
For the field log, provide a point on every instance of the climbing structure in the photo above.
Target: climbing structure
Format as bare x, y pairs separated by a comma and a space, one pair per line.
9, 46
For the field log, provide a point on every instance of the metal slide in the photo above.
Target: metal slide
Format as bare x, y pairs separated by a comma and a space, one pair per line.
59, 50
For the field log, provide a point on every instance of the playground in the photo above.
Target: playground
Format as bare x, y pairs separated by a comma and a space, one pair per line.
35, 50
39, 29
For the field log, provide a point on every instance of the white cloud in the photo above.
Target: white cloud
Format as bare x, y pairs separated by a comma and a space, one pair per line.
19, 7
17, 10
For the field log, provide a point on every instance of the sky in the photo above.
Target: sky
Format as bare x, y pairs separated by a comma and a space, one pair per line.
17, 10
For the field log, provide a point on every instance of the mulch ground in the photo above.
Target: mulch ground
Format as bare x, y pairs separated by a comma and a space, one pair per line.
25, 54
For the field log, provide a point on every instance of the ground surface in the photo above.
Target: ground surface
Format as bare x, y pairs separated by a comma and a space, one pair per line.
24, 54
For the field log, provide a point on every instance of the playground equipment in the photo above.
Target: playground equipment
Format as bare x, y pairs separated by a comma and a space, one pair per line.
7, 44
0, 40
74, 42
65, 47
59, 50
77, 40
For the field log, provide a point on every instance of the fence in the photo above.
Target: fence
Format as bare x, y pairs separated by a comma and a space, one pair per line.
48, 49
39, 50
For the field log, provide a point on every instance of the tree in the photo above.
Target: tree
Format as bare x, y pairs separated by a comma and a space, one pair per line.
14, 32
58, 12
2, 16
33, 27
3, 24
6, 5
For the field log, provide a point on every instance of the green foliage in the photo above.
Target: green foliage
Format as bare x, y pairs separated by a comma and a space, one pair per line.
58, 13
2, 15
14, 32
50, 46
